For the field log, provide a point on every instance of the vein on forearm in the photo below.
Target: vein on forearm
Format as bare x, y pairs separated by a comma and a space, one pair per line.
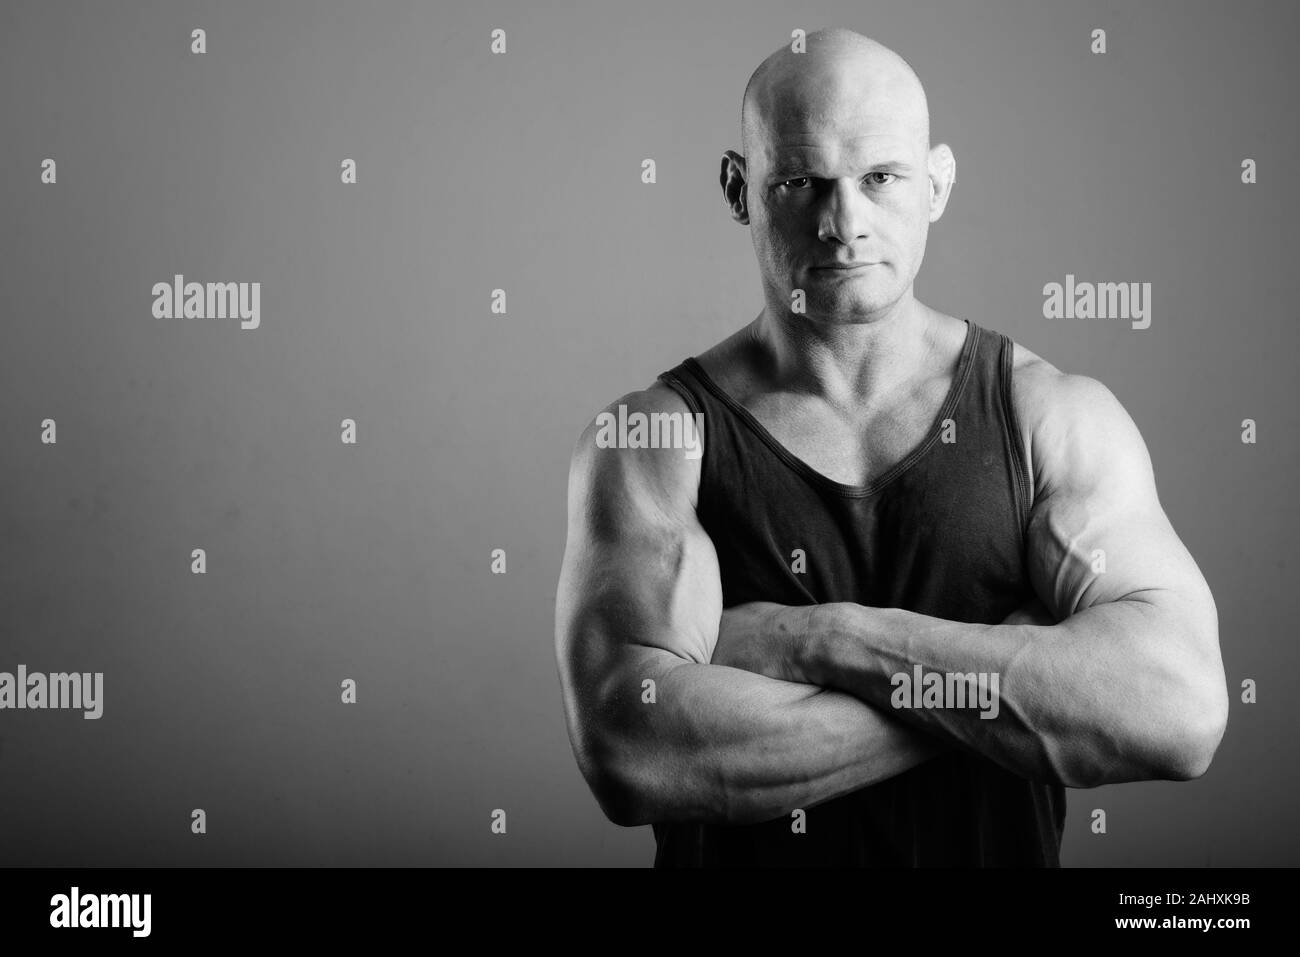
1075, 698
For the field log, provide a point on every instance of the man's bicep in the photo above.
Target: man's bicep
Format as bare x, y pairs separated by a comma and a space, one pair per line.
646, 589
1097, 532
637, 561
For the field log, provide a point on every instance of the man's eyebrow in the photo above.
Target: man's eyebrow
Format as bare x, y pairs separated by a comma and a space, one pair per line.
891, 166
798, 167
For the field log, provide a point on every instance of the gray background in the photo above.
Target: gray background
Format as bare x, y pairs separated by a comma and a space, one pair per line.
522, 171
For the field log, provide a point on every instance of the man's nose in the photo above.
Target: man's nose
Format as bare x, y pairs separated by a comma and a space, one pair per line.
843, 215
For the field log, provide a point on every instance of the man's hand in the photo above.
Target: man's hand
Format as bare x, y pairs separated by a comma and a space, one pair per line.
764, 638
1032, 613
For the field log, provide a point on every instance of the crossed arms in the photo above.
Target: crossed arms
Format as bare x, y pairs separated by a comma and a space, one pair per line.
680, 710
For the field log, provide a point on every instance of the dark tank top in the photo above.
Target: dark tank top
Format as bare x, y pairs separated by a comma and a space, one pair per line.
941, 533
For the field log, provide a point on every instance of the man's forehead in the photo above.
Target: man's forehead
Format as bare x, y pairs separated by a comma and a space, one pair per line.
848, 123
797, 146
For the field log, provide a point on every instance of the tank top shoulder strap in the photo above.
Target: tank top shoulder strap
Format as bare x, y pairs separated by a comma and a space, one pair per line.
683, 380
988, 404
726, 445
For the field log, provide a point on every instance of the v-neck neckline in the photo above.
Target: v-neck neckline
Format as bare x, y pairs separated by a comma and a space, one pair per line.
960, 376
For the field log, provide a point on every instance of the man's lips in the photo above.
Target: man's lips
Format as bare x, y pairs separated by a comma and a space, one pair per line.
861, 265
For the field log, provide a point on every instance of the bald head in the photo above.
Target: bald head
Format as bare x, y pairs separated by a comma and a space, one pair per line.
842, 79
838, 183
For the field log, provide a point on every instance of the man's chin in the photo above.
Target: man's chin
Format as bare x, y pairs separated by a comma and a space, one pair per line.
847, 310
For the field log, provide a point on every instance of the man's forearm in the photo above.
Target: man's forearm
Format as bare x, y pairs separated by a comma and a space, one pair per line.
1106, 696
724, 745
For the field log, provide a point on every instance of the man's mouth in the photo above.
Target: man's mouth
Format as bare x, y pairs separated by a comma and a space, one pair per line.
844, 267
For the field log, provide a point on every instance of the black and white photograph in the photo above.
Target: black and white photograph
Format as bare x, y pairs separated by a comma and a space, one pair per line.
550, 441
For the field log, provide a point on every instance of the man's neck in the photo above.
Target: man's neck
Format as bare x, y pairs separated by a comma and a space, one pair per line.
849, 364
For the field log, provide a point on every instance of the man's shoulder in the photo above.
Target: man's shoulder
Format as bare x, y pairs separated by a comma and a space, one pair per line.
1033, 378
657, 397
1064, 416
660, 406
648, 441
1043, 393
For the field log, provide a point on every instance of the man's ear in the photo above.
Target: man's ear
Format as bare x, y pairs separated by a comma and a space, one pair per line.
943, 177
733, 183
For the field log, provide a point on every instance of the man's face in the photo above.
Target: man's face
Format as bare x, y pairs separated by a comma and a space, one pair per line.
850, 190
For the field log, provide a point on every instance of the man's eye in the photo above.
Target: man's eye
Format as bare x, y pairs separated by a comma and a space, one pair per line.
876, 182
801, 181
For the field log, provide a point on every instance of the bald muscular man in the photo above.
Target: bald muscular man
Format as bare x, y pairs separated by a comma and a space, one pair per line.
885, 493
